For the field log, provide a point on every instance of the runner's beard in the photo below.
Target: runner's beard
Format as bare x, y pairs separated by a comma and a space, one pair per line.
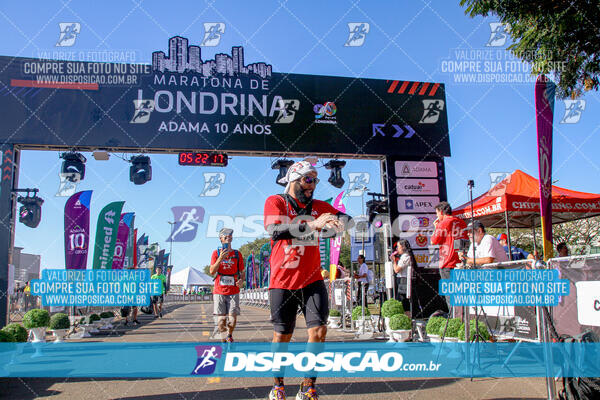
299, 194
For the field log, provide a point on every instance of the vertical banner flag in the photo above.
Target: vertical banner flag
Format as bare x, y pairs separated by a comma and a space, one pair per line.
106, 235
544, 113
130, 249
77, 230
135, 249
122, 237
140, 250
336, 242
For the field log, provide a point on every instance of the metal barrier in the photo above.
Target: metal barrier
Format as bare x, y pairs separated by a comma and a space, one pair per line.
581, 309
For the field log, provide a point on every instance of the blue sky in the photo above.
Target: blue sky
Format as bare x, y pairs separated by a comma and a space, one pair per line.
492, 125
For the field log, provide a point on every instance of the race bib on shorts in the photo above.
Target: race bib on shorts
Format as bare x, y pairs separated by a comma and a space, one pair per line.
227, 281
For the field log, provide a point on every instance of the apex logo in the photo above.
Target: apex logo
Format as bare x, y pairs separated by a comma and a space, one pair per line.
207, 359
143, 109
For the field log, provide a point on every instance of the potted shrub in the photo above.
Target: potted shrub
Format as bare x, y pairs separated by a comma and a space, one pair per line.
36, 321
390, 308
335, 318
454, 327
6, 336
357, 314
433, 327
400, 327
107, 317
17, 331
483, 331
59, 325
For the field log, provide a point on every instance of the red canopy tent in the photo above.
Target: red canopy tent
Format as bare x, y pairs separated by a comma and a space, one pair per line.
515, 203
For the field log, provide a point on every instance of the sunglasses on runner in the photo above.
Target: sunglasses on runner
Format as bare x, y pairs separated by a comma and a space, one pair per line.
310, 180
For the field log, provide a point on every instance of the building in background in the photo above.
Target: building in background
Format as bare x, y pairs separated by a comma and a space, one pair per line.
27, 266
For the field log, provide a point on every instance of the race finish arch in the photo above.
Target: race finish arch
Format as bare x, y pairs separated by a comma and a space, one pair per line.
183, 102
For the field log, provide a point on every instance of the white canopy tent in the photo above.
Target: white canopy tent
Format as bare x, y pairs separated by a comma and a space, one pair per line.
190, 277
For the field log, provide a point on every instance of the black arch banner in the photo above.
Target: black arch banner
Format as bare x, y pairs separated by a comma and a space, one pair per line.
223, 106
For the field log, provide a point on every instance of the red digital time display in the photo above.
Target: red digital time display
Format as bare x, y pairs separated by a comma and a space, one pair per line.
204, 159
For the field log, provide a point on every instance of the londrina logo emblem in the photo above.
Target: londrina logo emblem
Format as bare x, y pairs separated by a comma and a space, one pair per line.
207, 359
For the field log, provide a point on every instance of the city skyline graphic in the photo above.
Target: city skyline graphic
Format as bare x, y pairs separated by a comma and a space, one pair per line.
185, 58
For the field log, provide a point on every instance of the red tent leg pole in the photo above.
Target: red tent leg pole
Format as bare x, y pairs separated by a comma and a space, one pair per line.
508, 235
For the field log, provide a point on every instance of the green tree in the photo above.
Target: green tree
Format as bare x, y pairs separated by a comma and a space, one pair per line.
558, 36
253, 247
206, 270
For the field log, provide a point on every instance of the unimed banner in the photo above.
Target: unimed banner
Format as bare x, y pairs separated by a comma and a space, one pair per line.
122, 238
106, 235
77, 230
544, 113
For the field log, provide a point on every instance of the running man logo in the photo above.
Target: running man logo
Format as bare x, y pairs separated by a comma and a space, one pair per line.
212, 184
67, 186
358, 183
498, 34
143, 109
573, 111
207, 359
186, 223
432, 110
358, 33
212, 33
497, 177
68, 33
287, 110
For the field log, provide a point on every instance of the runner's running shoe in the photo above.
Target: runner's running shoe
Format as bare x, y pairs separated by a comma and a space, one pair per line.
277, 393
309, 393
229, 339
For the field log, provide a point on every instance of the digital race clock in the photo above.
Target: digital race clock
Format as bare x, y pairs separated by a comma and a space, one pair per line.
205, 159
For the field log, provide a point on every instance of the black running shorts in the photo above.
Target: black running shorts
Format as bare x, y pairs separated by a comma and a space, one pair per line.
312, 300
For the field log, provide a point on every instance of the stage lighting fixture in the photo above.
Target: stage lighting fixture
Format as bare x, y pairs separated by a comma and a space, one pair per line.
378, 211
282, 165
73, 168
140, 171
30, 213
335, 178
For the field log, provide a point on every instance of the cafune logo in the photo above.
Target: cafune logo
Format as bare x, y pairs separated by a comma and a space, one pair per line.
208, 357
324, 113
68, 33
431, 111
573, 111
418, 186
358, 33
498, 34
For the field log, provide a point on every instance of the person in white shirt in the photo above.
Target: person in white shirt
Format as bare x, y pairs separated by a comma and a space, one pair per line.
363, 279
488, 250
404, 261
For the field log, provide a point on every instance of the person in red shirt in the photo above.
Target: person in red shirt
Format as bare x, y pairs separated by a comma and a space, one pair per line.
228, 264
294, 220
447, 229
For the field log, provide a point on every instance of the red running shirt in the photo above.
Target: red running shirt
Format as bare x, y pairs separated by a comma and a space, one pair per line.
449, 229
293, 265
229, 266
